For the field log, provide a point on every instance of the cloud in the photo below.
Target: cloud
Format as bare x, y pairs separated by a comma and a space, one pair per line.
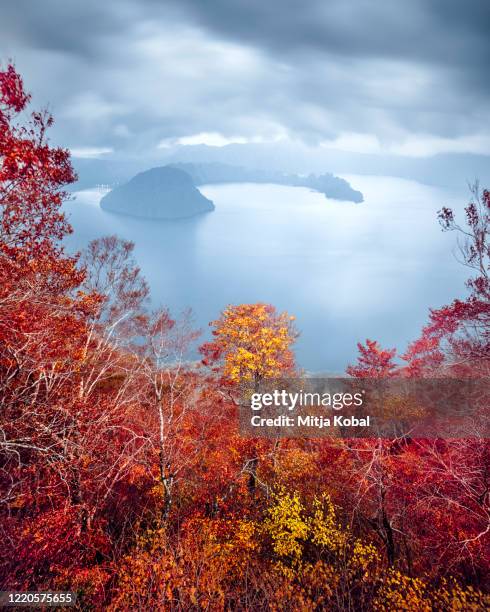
90, 152
411, 145
391, 76
215, 139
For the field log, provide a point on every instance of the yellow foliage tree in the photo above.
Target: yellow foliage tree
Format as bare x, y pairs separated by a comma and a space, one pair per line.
253, 341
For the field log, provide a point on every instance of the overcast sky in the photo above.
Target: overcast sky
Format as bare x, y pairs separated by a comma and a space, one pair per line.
402, 76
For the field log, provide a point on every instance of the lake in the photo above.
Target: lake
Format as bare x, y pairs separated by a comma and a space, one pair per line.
346, 271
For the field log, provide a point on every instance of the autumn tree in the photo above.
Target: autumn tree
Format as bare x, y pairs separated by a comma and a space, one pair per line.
457, 337
41, 313
373, 361
372, 458
168, 392
252, 342
113, 273
104, 399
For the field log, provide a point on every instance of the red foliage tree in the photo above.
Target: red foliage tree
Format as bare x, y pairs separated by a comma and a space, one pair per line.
457, 338
373, 361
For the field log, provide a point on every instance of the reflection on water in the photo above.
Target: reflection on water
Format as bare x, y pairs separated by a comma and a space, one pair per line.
346, 271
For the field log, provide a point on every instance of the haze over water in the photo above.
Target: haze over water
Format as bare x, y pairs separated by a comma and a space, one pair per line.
346, 271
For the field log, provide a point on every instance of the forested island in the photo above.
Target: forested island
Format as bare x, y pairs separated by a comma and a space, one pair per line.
159, 193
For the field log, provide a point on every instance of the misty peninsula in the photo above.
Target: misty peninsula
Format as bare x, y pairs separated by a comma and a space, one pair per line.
328, 184
160, 193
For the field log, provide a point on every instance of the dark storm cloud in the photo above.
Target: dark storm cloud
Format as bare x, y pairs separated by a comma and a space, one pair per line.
447, 35
131, 73
57, 26
424, 29
438, 30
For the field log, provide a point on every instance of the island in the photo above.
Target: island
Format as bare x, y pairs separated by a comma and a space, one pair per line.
160, 193
328, 184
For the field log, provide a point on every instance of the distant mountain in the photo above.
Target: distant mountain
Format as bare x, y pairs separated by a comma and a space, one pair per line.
328, 184
159, 193
447, 170
111, 172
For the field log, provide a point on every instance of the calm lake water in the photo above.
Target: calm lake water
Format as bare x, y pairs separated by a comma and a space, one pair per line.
346, 271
